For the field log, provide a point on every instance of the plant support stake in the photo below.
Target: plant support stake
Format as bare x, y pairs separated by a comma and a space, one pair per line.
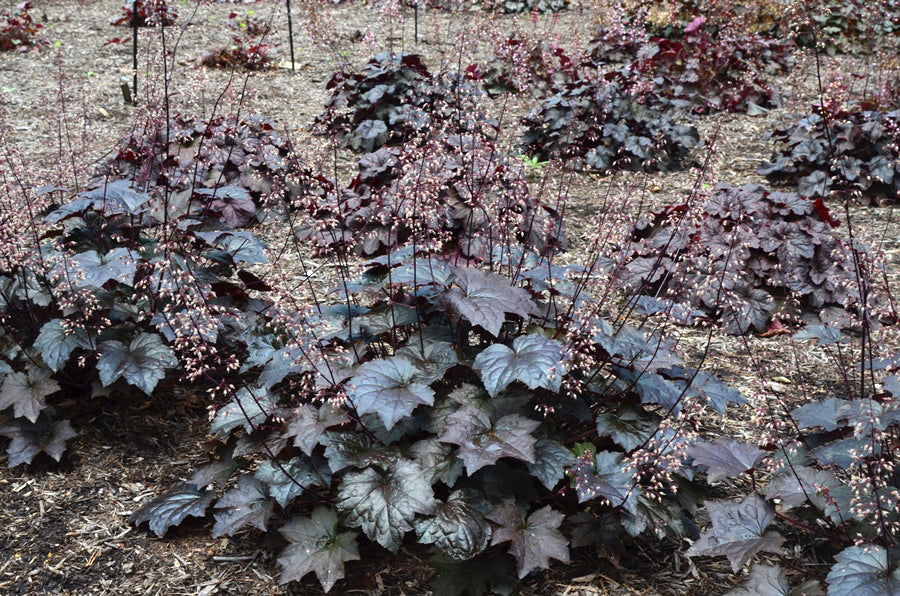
416, 20
291, 35
134, 44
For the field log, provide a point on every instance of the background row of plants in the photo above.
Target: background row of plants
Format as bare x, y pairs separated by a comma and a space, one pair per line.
468, 388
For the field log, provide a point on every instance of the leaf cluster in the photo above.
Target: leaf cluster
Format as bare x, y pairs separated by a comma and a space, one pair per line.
391, 100
730, 71
525, 6
248, 50
850, 25
464, 409
831, 477
240, 168
752, 255
124, 289
853, 148
18, 30
599, 125
454, 191
147, 13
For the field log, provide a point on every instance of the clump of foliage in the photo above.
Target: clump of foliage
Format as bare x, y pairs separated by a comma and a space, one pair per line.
234, 166
525, 64
112, 293
727, 72
18, 30
248, 49
519, 6
455, 191
848, 146
147, 13
750, 256
827, 471
393, 99
480, 413
601, 126
849, 25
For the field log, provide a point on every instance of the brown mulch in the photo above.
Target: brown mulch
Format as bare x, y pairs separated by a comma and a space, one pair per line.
64, 527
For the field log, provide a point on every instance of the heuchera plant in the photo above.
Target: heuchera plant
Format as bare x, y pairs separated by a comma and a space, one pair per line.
728, 72
18, 30
600, 125
147, 13
483, 413
455, 191
248, 49
113, 292
390, 101
829, 472
852, 147
198, 159
750, 256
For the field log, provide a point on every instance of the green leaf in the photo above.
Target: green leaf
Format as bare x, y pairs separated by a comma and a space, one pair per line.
484, 298
738, 531
247, 504
533, 542
25, 392
315, 545
457, 528
170, 508
385, 502
142, 364
55, 343
863, 571
482, 443
388, 387
533, 360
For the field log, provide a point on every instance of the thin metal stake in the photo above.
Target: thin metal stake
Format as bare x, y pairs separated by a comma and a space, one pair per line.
134, 44
291, 35
416, 19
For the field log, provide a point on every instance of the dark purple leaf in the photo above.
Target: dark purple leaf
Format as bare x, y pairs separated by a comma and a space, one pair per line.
484, 298
24, 392
482, 443
119, 264
550, 462
798, 484
249, 408
286, 480
533, 542
457, 528
630, 426
248, 504
533, 360
27, 439
606, 476
738, 531
725, 458
388, 387
385, 502
142, 364
863, 571
307, 423
314, 544
56, 343
819, 413
170, 508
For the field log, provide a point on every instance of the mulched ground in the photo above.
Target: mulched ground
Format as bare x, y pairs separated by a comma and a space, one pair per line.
64, 527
